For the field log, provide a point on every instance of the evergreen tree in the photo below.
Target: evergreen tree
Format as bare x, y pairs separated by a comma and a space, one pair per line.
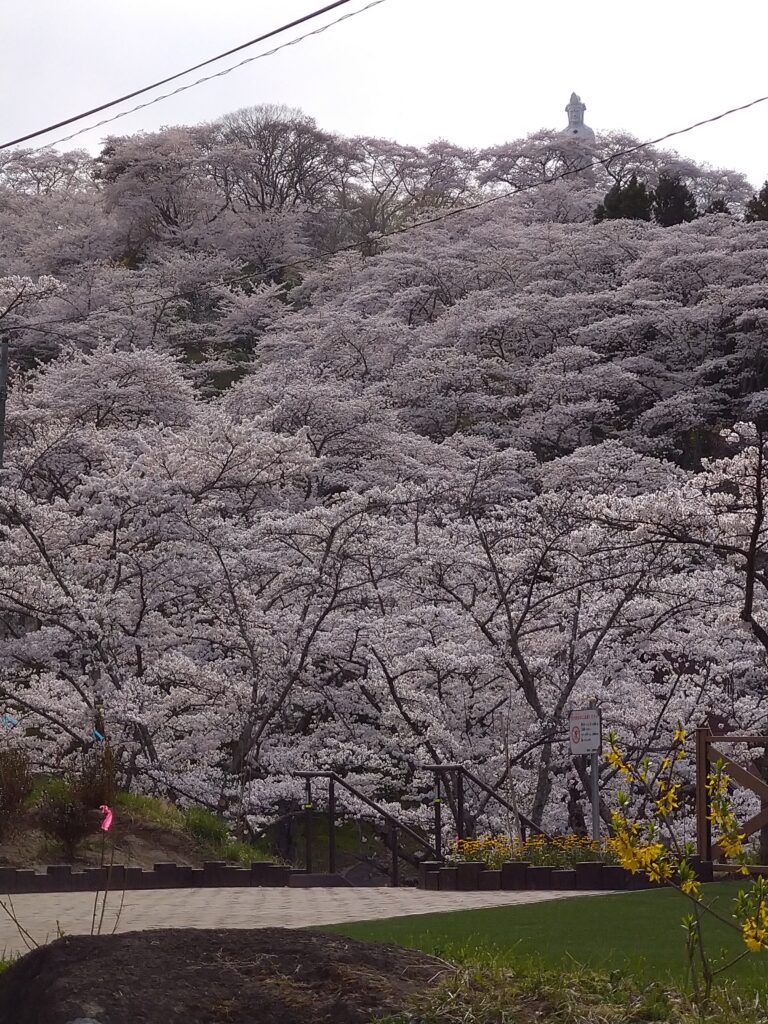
674, 202
633, 201
718, 205
757, 207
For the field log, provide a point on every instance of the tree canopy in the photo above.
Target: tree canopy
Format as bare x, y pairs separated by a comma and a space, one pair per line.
757, 206
268, 508
630, 201
673, 202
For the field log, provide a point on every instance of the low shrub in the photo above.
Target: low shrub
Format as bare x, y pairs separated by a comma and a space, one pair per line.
55, 786
16, 785
40, 783
64, 818
240, 852
96, 778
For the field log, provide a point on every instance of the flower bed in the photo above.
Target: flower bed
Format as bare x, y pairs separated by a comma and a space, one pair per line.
562, 862
564, 851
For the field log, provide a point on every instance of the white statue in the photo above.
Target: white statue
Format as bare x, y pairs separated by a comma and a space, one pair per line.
576, 127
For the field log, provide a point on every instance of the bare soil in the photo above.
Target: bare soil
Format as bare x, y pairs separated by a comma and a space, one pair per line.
222, 976
137, 843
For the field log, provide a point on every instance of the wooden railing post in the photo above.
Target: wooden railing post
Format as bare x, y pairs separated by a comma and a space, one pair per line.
460, 803
438, 818
308, 826
761, 766
395, 856
395, 825
332, 826
703, 824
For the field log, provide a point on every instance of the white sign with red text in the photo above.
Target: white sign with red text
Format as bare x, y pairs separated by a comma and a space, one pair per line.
585, 731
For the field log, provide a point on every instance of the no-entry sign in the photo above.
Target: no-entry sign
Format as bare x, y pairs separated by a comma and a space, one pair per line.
585, 731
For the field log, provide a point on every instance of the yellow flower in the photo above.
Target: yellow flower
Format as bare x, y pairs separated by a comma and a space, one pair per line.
691, 888
615, 760
755, 935
659, 872
731, 845
668, 800
678, 736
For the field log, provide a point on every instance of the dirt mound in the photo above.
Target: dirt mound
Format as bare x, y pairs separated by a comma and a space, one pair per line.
214, 976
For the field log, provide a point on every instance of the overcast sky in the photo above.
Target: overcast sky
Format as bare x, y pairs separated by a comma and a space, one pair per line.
476, 72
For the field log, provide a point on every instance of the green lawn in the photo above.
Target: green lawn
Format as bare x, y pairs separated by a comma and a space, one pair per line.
638, 931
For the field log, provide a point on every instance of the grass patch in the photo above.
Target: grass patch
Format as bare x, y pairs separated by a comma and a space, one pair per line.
487, 993
48, 785
208, 829
206, 826
637, 933
151, 810
240, 852
213, 834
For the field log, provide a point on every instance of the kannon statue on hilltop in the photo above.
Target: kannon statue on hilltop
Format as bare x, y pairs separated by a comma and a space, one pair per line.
576, 127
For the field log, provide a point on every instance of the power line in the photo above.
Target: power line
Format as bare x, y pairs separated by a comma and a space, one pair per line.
405, 228
209, 78
180, 74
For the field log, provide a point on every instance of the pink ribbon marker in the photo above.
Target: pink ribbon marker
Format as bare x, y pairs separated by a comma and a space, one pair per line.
106, 824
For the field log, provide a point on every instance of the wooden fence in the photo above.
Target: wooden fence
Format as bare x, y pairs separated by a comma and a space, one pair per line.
707, 753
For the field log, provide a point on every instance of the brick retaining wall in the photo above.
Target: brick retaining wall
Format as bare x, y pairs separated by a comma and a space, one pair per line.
213, 874
216, 874
515, 875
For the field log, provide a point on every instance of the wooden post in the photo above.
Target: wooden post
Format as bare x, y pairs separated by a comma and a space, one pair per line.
438, 818
395, 856
595, 798
460, 803
308, 826
703, 824
761, 766
332, 826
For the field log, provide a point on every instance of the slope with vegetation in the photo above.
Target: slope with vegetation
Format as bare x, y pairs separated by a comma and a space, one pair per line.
266, 508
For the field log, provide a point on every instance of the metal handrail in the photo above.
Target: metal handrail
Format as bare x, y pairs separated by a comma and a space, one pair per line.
394, 823
461, 773
524, 819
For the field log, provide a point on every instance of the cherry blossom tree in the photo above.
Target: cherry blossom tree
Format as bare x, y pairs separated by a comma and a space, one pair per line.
268, 507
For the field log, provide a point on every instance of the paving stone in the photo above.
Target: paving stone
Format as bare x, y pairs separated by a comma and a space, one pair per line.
252, 907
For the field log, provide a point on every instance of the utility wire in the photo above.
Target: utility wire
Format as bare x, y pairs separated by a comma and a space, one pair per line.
403, 229
209, 78
180, 74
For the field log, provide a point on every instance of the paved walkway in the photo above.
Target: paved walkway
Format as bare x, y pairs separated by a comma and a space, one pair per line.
237, 908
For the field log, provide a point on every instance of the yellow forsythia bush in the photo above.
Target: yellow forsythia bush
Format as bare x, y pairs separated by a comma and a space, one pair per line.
651, 846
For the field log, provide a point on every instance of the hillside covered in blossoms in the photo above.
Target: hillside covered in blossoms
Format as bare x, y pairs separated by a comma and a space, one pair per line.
337, 453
